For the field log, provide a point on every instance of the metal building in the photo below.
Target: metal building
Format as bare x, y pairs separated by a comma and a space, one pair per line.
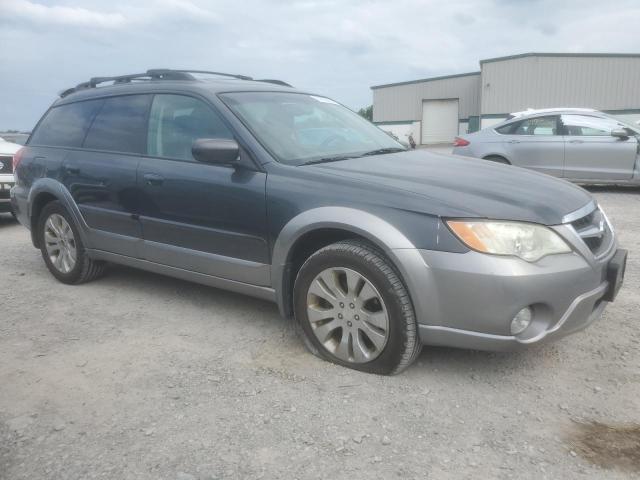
434, 110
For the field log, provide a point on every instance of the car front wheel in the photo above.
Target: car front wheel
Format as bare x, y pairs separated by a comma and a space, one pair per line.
354, 310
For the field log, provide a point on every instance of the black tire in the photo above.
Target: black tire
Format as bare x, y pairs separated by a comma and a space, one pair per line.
85, 269
497, 159
403, 343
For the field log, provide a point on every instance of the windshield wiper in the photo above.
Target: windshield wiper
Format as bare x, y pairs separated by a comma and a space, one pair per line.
382, 151
336, 158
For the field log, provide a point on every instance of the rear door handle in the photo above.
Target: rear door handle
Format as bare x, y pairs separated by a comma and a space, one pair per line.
153, 179
72, 170
514, 141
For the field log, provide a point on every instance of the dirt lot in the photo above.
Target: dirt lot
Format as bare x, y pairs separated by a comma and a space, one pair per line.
139, 376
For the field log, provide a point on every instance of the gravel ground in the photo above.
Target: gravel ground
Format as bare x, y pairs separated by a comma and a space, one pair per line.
139, 376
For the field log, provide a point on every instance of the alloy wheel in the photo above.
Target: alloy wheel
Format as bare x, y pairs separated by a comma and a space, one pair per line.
60, 243
347, 315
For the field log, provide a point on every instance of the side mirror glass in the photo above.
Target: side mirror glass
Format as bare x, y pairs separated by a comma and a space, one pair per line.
619, 133
216, 150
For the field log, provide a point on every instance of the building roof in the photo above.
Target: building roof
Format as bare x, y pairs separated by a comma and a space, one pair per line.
538, 54
422, 80
511, 57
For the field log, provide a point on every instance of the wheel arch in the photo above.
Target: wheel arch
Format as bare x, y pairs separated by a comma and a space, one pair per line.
499, 155
317, 228
47, 190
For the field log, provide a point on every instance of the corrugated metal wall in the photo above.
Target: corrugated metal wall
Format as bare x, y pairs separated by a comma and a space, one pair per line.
603, 83
404, 102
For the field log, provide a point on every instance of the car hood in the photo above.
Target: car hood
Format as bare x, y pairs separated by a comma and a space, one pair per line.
464, 187
8, 148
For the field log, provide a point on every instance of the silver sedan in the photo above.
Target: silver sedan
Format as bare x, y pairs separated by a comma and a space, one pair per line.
581, 145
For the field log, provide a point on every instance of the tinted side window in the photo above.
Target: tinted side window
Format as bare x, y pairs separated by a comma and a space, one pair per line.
66, 125
507, 129
120, 125
532, 126
537, 126
176, 121
587, 125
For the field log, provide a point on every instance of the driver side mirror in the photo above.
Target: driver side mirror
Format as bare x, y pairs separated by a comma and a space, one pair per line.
620, 133
219, 151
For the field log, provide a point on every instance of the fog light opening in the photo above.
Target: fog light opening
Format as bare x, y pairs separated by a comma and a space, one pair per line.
521, 321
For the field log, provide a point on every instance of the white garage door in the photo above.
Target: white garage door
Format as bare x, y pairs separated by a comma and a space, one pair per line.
439, 121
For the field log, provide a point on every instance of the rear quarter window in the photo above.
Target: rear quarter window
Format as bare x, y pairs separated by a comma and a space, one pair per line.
65, 125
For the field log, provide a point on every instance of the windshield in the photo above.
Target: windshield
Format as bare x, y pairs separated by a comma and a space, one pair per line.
298, 128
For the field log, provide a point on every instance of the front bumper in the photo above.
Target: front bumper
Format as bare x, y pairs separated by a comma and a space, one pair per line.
6, 183
468, 300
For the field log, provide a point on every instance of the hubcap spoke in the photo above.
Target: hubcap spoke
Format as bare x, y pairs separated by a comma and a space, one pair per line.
378, 319
326, 330
343, 350
347, 315
354, 280
360, 350
376, 337
317, 314
367, 293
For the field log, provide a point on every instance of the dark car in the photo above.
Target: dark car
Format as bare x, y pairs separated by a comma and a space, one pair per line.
255, 187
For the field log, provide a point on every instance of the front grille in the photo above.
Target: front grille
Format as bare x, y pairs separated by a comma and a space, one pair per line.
6, 164
595, 231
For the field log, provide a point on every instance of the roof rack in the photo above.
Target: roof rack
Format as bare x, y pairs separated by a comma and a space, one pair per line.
160, 74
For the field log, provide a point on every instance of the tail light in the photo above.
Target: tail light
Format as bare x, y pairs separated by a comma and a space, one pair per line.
16, 158
460, 142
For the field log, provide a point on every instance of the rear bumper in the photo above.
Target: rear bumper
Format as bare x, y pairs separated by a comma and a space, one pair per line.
6, 183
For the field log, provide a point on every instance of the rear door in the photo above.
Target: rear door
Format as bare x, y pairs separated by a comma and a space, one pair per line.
195, 216
535, 143
591, 153
101, 176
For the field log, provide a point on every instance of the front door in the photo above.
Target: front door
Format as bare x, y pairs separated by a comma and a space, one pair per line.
205, 218
591, 153
102, 175
535, 143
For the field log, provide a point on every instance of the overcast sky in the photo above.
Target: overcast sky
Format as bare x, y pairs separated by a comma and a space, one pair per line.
337, 48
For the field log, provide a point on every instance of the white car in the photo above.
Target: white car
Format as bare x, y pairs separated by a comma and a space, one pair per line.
7, 150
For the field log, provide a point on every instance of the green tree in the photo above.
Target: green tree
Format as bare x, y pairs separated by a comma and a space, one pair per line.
366, 112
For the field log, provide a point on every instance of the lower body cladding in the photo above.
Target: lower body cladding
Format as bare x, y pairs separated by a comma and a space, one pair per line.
487, 302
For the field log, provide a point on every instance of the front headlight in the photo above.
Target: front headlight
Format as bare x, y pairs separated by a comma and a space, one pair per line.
525, 240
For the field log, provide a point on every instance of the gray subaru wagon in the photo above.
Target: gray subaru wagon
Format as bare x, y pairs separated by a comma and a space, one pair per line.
259, 188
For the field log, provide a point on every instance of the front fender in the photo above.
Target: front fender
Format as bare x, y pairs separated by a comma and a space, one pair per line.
398, 248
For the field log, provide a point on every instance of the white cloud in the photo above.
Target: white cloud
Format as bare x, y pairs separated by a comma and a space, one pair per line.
23, 10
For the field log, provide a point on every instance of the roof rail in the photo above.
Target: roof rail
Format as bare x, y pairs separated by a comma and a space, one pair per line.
275, 82
165, 71
159, 74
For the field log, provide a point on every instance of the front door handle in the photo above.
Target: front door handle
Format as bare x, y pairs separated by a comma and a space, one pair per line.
576, 141
72, 170
153, 179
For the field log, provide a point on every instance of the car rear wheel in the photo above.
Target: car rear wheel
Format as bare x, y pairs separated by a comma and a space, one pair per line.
62, 248
353, 309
